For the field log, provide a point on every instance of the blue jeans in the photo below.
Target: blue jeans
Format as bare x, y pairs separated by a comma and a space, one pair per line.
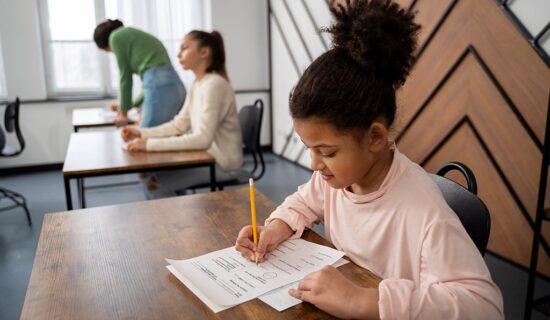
163, 96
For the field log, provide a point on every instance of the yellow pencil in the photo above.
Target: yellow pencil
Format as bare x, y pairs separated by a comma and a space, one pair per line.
253, 212
133, 125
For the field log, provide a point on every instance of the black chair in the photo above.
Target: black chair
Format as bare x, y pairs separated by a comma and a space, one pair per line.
11, 123
471, 211
250, 119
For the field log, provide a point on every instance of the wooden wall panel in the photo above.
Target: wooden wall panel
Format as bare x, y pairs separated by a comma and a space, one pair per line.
468, 93
479, 94
429, 16
482, 24
505, 241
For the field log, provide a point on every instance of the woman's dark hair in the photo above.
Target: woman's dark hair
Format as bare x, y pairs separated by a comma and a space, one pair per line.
214, 41
355, 81
103, 31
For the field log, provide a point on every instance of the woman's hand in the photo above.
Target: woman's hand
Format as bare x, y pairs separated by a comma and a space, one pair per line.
130, 133
269, 238
138, 144
121, 119
329, 290
115, 107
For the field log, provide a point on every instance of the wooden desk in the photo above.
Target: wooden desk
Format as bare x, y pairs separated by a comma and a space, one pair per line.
108, 262
95, 118
100, 153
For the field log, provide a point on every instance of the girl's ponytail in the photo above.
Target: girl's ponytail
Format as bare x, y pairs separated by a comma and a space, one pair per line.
218, 55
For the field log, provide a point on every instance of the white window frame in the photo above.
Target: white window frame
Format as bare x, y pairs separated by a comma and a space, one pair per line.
105, 86
108, 87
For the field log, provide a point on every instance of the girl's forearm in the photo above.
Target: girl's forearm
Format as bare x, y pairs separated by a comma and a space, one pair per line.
282, 229
367, 304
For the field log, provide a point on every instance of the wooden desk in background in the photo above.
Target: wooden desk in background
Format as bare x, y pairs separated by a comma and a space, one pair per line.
95, 118
108, 262
100, 153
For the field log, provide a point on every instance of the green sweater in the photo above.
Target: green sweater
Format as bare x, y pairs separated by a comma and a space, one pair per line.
136, 52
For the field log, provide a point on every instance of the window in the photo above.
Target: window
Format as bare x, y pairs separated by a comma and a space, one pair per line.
75, 66
168, 20
3, 90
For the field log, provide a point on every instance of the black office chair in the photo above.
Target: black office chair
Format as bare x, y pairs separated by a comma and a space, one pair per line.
250, 119
471, 211
11, 123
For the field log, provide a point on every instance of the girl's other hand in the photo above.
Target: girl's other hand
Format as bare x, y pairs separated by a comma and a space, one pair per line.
115, 107
130, 133
268, 239
138, 144
329, 290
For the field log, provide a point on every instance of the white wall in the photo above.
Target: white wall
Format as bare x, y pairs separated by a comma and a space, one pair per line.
290, 57
22, 49
243, 25
534, 14
47, 126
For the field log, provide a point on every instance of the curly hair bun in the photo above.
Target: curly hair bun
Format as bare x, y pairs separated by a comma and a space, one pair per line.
378, 35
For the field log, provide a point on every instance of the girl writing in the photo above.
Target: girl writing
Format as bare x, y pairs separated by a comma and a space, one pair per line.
376, 205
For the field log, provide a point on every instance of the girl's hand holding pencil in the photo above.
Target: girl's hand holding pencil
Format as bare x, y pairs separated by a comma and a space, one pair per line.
269, 238
130, 133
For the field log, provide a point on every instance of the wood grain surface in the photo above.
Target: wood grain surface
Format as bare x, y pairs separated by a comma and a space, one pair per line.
102, 152
108, 262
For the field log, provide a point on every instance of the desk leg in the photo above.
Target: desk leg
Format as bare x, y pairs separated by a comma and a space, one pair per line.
68, 193
212, 177
81, 193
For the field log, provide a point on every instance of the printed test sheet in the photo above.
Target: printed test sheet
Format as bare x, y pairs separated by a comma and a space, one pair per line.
227, 279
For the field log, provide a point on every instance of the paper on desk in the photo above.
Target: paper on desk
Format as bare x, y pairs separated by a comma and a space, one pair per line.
278, 299
108, 114
227, 278
214, 307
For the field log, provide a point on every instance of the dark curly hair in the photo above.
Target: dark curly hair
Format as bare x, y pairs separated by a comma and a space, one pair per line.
355, 81
103, 31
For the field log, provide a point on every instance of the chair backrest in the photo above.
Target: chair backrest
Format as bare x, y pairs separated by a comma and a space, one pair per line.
2, 139
250, 119
471, 211
11, 123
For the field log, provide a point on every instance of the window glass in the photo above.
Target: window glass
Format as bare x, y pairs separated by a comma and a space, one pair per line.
74, 63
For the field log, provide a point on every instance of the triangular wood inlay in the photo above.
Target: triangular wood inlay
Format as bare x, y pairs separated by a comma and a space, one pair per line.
512, 243
517, 67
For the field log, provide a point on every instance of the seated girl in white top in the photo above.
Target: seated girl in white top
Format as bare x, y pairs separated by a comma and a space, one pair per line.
380, 208
207, 121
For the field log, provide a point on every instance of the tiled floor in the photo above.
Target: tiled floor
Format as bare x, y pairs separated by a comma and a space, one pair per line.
44, 192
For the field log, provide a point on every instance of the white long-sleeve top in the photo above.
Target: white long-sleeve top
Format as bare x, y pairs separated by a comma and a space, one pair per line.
405, 233
207, 121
